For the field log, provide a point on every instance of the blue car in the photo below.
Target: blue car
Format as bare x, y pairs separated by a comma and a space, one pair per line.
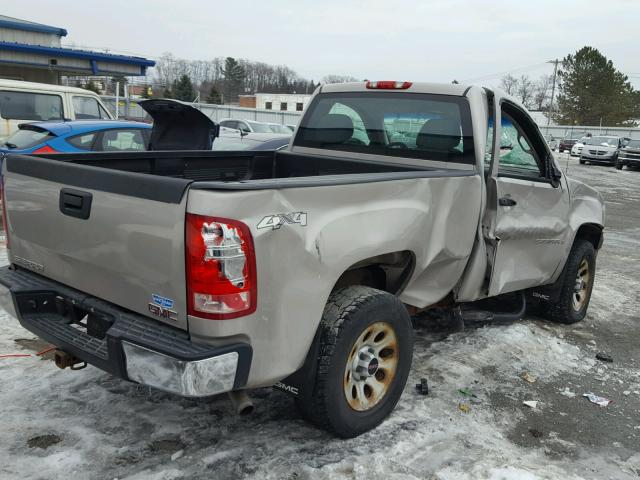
78, 136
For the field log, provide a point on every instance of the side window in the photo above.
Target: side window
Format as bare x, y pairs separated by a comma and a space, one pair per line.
83, 142
122, 140
30, 106
86, 108
360, 136
517, 154
103, 113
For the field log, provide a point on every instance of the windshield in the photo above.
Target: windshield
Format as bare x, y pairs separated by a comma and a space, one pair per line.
575, 136
423, 126
27, 138
275, 128
260, 127
634, 144
604, 141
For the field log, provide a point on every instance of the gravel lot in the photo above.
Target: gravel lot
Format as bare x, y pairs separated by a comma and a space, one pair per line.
85, 424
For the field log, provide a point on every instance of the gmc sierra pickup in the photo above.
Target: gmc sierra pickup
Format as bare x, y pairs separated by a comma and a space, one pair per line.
202, 272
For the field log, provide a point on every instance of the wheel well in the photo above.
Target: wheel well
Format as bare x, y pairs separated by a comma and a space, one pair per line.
389, 272
592, 233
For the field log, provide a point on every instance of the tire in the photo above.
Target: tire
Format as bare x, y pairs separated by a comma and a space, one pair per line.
568, 309
582, 161
359, 319
619, 165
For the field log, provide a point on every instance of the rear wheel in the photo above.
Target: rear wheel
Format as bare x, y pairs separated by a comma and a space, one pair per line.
575, 293
365, 358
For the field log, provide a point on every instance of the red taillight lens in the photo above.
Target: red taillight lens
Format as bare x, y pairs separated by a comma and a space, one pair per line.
389, 85
221, 268
5, 225
45, 149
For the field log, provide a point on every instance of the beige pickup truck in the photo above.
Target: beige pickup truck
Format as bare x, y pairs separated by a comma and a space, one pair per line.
201, 272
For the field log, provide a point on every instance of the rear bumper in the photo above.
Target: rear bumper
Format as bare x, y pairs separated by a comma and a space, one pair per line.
123, 343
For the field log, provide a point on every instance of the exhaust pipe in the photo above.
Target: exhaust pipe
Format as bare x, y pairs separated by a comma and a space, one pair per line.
241, 402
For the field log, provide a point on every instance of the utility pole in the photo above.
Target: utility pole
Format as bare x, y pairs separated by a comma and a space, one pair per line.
553, 91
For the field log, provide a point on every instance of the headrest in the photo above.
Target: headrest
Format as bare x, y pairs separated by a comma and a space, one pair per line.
332, 128
441, 134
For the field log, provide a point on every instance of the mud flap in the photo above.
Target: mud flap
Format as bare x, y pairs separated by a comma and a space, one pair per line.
300, 383
546, 293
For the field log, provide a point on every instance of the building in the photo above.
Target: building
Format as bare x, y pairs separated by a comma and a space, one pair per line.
33, 52
282, 102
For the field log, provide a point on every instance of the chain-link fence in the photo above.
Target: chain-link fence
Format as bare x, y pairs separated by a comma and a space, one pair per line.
130, 109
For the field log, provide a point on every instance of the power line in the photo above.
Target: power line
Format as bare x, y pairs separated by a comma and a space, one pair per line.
499, 74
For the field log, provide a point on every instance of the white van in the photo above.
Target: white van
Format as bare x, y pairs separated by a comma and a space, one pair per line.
23, 102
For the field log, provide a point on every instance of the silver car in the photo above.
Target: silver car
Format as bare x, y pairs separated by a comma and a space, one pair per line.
601, 149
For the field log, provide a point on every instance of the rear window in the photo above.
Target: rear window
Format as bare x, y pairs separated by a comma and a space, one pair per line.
28, 137
88, 108
30, 106
409, 125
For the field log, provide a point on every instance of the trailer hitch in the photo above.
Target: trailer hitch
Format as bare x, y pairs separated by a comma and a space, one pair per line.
64, 360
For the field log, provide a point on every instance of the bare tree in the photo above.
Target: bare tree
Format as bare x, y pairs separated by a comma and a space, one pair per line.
525, 90
541, 97
338, 79
509, 84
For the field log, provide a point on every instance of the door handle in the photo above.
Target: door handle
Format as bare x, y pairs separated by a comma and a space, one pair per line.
506, 202
75, 203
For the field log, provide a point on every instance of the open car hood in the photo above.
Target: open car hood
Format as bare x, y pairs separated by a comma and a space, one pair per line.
179, 126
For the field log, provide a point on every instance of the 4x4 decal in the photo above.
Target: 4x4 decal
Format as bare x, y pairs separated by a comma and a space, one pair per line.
276, 221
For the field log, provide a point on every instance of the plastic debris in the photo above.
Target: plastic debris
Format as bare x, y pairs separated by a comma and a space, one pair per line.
531, 403
467, 393
423, 387
464, 408
598, 400
177, 455
604, 357
567, 392
527, 377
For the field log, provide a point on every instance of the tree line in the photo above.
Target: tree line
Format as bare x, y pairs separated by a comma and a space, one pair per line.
589, 91
223, 79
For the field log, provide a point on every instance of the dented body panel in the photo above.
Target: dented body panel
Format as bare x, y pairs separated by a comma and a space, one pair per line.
444, 226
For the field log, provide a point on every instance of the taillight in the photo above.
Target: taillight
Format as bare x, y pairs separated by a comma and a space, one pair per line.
389, 85
221, 268
45, 149
5, 225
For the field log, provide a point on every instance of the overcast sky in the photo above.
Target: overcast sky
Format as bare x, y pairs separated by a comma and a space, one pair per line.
429, 40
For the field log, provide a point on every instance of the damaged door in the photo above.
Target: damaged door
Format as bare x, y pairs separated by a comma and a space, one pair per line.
528, 206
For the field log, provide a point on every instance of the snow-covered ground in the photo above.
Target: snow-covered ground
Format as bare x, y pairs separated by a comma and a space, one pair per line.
86, 424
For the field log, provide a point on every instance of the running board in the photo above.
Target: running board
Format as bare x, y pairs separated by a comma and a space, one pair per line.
470, 314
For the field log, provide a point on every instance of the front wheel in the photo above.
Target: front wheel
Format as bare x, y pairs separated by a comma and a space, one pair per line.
577, 285
582, 161
365, 357
619, 164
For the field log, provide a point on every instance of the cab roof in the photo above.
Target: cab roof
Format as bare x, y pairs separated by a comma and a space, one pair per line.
416, 87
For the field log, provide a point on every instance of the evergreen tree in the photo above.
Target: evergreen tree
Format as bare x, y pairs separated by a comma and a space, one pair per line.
182, 89
167, 93
233, 78
91, 86
593, 91
214, 96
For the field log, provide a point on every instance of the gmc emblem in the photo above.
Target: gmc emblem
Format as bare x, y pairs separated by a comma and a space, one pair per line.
158, 311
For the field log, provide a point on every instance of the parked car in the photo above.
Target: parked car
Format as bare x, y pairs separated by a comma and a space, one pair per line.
279, 128
570, 140
78, 136
246, 126
22, 102
601, 149
552, 142
203, 272
234, 140
577, 147
629, 155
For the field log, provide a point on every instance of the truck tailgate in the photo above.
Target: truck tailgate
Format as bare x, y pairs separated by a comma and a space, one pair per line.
115, 235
